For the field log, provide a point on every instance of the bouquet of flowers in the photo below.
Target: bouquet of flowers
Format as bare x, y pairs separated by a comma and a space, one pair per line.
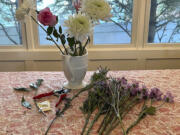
114, 98
79, 26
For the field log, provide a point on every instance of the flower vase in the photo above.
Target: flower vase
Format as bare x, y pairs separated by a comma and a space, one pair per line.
75, 68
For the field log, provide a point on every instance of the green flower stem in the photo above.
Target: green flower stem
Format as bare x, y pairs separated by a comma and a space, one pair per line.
107, 121
83, 90
121, 124
93, 121
105, 117
160, 105
88, 87
81, 52
88, 40
63, 44
75, 50
66, 107
49, 35
152, 101
108, 130
65, 49
113, 126
127, 108
115, 123
145, 101
50, 125
135, 123
140, 117
86, 123
125, 99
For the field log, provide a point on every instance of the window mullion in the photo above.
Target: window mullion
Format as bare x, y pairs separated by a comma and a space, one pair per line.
141, 23
134, 22
147, 18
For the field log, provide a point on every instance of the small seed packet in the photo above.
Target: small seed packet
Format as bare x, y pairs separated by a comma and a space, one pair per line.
44, 106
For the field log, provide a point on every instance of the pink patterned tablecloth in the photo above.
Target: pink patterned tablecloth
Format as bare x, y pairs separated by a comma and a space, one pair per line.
17, 120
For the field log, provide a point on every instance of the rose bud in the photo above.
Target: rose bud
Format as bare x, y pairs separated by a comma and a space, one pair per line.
77, 5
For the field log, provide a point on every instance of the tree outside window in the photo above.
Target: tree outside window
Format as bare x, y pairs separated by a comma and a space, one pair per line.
164, 24
10, 29
116, 31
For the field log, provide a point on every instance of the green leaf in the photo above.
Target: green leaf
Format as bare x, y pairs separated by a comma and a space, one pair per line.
63, 40
58, 112
39, 82
55, 33
60, 30
25, 103
21, 89
151, 110
48, 38
71, 42
33, 86
57, 19
49, 30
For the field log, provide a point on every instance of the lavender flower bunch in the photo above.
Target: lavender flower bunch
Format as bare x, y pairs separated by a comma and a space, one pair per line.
114, 98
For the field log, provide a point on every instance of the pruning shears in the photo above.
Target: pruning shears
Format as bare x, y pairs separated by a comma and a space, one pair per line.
62, 93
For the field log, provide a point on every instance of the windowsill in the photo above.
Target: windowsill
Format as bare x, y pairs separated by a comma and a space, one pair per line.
112, 49
94, 53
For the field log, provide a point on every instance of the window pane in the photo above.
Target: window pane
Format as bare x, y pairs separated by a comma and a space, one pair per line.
164, 25
61, 8
10, 29
118, 30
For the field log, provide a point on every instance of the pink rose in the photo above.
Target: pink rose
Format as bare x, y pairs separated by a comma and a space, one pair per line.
46, 17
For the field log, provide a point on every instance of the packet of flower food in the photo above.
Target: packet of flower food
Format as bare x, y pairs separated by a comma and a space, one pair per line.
44, 106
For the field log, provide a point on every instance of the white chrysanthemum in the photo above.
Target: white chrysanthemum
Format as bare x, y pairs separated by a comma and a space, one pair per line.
24, 9
78, 26
96, 9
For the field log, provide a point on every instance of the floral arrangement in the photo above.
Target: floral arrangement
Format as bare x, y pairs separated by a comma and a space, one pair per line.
79, 26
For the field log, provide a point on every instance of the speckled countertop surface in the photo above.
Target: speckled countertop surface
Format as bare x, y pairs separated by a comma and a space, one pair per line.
17, 120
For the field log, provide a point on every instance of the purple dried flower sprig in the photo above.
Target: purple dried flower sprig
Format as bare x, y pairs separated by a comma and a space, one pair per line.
145, 92
135, 89
155, 94
168, 98
122, 80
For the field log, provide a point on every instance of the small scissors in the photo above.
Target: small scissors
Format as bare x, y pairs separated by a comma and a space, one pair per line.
62, 94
